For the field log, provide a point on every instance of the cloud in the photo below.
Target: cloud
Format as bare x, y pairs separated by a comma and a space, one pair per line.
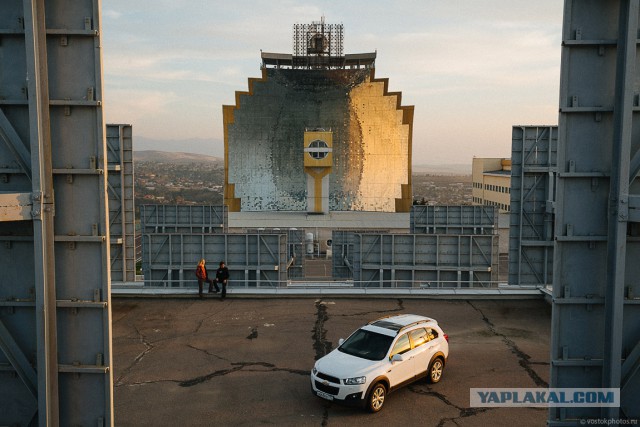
111, 14
470, 68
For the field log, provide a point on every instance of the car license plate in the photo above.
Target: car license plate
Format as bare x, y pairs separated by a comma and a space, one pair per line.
324, 395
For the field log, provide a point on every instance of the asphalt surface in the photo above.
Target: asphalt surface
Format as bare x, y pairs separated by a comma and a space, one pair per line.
246, 362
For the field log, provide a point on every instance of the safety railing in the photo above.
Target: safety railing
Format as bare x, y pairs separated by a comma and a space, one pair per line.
329, 283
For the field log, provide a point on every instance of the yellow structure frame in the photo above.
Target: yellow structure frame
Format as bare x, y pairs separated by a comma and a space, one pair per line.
318, 168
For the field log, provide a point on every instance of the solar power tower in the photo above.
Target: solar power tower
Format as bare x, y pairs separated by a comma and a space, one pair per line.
596, 281
55, 314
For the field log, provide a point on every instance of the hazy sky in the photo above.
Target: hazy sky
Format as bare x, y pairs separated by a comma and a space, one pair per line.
471, 68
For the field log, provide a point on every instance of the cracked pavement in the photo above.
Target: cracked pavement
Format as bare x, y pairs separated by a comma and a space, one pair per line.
244, 362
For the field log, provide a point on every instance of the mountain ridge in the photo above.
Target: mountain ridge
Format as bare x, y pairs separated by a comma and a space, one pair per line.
173, 157
181, 157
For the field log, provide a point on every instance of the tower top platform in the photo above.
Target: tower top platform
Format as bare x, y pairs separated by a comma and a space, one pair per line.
318, 46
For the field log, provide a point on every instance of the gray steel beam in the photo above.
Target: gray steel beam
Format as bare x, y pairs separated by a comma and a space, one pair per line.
124, 214
520, 214
634, 208
631, 366
18, 360
13, 142
43, 225
618, 196
634, 167
105, 248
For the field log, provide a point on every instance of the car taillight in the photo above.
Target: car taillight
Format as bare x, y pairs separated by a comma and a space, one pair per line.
446, 337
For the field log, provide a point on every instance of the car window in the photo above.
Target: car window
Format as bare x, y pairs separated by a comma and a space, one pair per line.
402, 345
419, 337
432, 334
367, 345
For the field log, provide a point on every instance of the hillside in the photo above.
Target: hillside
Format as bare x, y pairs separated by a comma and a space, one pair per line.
443, 170
188, 178
157, 156
173, 157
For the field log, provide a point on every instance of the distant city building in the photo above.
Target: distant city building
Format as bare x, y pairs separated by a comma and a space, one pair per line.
492, 182
318, 137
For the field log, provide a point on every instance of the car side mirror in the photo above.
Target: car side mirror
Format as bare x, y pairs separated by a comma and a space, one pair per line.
397, 358
340, 341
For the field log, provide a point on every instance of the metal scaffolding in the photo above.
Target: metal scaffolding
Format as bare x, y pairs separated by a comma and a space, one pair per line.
318, 39
121, 203
534, 167
387, 260
472, 220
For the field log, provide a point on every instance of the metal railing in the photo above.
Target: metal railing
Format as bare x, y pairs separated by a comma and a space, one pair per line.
330, 283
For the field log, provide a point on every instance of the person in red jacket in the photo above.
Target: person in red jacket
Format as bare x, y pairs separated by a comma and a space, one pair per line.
201, 274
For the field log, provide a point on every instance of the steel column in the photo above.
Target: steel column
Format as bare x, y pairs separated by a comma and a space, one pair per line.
618, 197
43, 226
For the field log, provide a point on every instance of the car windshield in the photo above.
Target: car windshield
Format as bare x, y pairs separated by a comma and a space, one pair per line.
366, 344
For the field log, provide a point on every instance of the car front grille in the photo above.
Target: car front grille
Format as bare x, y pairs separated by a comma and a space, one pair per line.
328, 378
327, 388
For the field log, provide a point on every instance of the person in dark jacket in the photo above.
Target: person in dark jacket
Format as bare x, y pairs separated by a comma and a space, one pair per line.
202, 275
222, 276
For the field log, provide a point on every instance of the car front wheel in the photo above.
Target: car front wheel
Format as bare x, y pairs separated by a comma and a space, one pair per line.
435, 371
376, 397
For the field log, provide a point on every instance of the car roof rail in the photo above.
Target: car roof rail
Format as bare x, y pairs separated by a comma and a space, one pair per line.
405, 326
414, 323
380, 318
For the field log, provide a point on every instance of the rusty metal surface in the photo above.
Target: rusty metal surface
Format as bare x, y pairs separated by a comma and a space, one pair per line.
15, 206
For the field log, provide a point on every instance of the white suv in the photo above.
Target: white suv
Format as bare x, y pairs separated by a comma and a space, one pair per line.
380, 357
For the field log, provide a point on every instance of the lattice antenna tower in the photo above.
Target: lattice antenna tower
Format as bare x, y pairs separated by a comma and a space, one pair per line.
318, 39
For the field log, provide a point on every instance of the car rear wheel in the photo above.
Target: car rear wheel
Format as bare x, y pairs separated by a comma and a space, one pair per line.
435, 370
376, 397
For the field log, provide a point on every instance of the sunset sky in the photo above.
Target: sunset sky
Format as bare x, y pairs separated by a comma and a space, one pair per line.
472, 69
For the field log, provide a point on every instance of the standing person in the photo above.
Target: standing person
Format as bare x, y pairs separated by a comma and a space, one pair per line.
222, 276
202, 275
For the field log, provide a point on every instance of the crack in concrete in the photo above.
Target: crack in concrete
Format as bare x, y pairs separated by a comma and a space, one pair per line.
139, 383
138, 358
523, 358
325, 415
320, 343
238, 366
201, 322
366, 313
207, 353
118, 315
463, 412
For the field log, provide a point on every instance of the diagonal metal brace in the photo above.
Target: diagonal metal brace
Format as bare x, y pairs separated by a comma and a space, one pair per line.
634, 208
634, 166
18, 360
13, 142
631, 366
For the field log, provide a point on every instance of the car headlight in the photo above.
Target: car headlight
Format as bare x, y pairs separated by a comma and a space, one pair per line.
314, 371
355, 380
